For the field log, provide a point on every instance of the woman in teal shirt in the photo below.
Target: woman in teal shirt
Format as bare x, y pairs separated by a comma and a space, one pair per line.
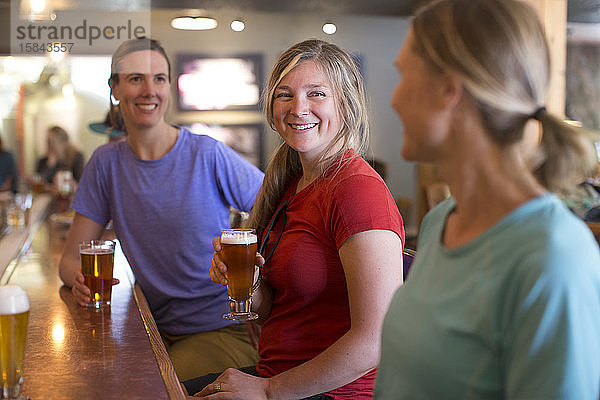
503, 299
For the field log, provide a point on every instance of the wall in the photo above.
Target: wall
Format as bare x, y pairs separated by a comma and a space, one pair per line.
376, 39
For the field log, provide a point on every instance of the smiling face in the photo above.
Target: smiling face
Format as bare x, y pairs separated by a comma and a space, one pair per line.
305, 111
142, 89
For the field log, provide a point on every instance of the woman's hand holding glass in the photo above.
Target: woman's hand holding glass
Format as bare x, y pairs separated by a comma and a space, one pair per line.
81, 292
218, 269
237, 246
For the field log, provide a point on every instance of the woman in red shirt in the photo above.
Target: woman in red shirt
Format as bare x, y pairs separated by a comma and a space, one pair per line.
333, 239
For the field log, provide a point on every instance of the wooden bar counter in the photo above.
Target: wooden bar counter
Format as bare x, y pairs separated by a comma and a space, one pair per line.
73, 352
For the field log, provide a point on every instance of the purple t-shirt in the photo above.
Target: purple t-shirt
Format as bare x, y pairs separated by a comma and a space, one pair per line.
165, 213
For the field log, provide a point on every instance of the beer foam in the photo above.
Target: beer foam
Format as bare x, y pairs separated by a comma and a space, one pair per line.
96, 251
13, 300
239, 239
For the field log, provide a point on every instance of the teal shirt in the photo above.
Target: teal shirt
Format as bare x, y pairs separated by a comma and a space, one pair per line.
514, 314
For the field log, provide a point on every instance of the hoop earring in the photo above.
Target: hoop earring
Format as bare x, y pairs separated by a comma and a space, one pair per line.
114, 101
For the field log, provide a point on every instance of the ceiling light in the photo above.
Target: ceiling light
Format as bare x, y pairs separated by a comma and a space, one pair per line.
67, 90
329, 28
238, 25
194, 23
56, 56
36, 10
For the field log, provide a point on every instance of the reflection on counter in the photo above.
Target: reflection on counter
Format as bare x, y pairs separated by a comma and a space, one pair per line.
15, 211
74, 352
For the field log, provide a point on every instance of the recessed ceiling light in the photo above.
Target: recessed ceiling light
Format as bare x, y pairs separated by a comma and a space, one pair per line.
194, 23
329, 28
36, 10
238, 25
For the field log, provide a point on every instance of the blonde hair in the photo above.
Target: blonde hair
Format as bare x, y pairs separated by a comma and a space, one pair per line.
499, 50
348, 88
58, 140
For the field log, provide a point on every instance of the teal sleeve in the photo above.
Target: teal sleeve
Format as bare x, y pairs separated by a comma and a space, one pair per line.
553, 339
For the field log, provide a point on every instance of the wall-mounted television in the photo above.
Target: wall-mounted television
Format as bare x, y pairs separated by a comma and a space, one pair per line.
246, 139
206, 82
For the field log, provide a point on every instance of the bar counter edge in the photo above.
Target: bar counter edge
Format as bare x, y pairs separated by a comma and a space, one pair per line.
14, 244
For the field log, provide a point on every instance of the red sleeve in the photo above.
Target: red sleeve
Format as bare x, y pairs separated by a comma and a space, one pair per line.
361, 203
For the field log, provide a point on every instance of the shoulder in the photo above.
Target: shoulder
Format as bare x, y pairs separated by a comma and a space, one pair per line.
197, 141
436, 216
354, 175
198, 146
6, 158
108, 153
108, 149
550, 225
355, 185
554, 248
6, 155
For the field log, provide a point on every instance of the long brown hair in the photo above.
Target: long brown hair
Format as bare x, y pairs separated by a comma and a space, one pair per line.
499, 50
347, 84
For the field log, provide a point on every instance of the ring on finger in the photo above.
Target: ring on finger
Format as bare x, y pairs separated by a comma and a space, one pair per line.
217, 386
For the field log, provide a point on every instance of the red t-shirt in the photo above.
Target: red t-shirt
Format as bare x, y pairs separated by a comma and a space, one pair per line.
310, 300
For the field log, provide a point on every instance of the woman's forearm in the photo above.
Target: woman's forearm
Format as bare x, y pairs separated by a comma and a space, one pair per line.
365, 257
349, 358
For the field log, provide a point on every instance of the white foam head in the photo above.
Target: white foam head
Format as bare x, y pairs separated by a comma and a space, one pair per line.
13, 300
239, 238
96, 251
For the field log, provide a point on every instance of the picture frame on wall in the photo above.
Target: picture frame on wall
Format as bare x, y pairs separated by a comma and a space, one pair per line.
207, 82
245, 139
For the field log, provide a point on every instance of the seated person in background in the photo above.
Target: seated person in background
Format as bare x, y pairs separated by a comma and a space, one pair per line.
61, 155
503, 300
9, 177
168, 193
334, 253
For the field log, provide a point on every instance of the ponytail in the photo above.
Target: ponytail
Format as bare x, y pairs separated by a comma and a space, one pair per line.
565, 155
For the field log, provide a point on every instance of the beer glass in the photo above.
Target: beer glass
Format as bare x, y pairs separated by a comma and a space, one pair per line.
14, 315
97, 262
238, 248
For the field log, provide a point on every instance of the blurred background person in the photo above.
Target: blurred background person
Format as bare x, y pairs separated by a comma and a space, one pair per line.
333, 237
503, 297
61, 154
168, 193
9, 177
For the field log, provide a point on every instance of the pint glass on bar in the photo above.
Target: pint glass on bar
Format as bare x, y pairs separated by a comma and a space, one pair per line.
14, 315
239, 253
97, 262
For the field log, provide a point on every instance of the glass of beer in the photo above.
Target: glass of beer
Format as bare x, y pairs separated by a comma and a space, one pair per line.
97, 262
238, 247
14, 315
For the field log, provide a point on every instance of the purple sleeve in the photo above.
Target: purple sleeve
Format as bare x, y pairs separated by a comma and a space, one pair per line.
238, 180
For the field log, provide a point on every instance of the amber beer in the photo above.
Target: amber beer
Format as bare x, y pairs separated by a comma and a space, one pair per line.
14, 316
97, 262
239, 253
